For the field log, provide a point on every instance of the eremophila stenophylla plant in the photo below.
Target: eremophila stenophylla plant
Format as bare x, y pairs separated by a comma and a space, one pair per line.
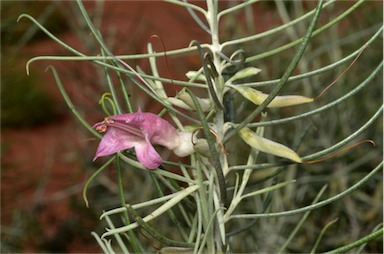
256, 149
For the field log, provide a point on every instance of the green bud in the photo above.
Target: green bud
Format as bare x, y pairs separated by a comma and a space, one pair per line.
202, 147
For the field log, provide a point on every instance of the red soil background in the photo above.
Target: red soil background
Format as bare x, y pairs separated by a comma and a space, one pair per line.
44, 167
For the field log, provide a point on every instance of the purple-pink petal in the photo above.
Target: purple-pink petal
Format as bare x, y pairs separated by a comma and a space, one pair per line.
116, 140
158, 130
139, 130
147, 155
135, 119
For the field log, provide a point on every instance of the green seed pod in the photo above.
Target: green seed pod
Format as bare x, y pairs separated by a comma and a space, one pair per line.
205, 103
244, 73
268, 146
258, 97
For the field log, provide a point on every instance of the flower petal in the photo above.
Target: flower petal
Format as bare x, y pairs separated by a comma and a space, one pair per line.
159, 131
147, 155
135, 119
139, 130
116, 140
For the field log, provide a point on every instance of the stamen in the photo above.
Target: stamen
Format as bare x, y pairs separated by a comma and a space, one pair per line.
126, 127
101, 128
108, 120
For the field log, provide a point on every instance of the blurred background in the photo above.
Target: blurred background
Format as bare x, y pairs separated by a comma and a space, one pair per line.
46, 156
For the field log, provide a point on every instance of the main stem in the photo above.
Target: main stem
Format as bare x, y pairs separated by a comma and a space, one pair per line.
213, 21
212, 18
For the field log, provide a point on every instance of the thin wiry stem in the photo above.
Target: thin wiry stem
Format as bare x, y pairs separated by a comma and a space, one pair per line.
326, 107
314, 206
283, 79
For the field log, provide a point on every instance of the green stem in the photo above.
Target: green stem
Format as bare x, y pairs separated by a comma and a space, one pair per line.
301, 222
155, 233
212, 148
321, 70
273, 30
283, 79
125, 92
132, 236
118, 238
319, 153
357, 243
296, 42
314, 206
70, 104
326, 107
112, 88
90, 179
175, 219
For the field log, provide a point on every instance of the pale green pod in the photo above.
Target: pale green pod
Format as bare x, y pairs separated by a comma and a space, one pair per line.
202, 147
178, 103
258, 97
205, 103
175, 250
195, 76
244, 73
268, 146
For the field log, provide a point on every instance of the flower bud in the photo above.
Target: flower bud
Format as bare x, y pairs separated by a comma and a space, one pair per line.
202, 147
185, 146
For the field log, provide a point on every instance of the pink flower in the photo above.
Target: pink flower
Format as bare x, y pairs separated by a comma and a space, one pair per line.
139, 130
